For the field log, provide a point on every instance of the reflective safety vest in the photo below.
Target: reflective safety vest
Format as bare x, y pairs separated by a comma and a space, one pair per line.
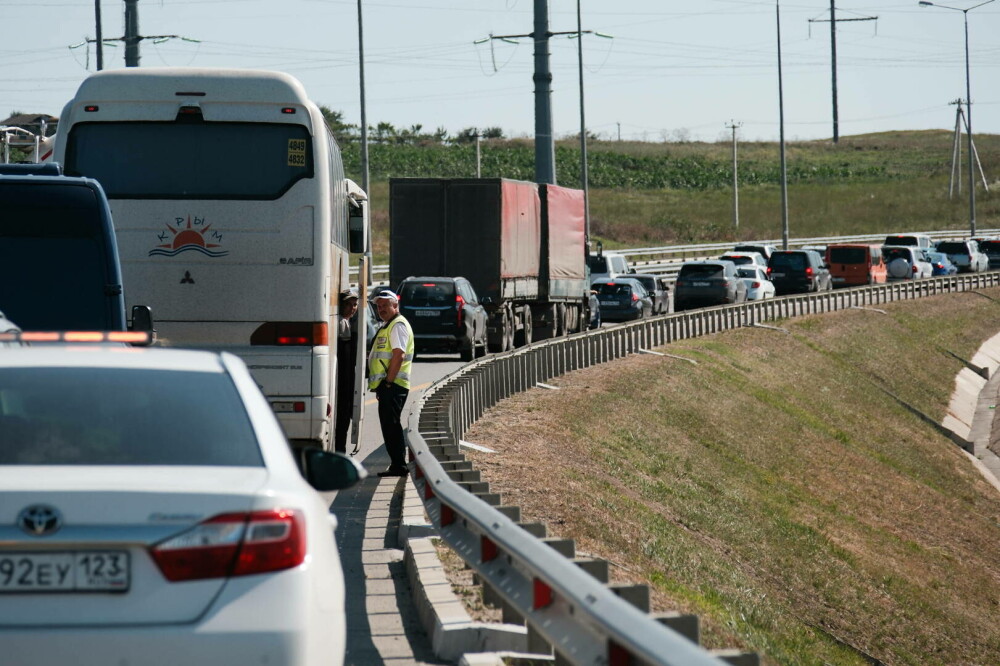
381, 354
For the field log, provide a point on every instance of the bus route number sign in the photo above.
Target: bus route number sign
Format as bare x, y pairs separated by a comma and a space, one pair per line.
297, 152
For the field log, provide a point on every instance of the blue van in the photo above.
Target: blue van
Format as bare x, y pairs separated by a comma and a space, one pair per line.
59, 267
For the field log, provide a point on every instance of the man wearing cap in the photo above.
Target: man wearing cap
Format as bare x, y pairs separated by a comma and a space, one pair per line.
346, 356
389, 366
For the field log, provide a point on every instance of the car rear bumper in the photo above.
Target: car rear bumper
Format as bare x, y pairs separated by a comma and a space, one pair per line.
253, 622
620, 315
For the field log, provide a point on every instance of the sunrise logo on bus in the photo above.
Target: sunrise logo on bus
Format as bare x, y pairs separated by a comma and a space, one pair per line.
189, 236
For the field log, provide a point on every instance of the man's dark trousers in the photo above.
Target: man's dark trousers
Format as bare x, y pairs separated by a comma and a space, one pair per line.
391, 398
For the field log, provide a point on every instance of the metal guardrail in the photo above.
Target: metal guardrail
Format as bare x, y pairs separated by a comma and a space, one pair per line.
583, 620
668, 259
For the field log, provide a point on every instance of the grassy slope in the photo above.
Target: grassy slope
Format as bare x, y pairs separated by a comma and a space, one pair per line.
776, 488
660, 193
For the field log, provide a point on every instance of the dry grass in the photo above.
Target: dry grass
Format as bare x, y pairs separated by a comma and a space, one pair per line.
776, 489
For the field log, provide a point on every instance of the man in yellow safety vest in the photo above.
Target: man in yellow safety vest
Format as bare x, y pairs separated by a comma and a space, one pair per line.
389, 367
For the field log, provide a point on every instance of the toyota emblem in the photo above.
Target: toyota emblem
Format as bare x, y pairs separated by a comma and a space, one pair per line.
39, 520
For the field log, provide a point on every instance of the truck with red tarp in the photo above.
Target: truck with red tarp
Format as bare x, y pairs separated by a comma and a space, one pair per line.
520, 244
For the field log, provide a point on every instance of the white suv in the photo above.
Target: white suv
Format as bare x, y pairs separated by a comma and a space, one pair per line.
966, 255
906, 262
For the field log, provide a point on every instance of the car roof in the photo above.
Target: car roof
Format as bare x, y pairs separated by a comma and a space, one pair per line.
84, 355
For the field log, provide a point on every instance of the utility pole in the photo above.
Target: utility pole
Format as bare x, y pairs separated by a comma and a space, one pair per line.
733, 125
619, 132
545, 155
479, 173
833, 58
781, 124
98, 41
131, 37
132, 33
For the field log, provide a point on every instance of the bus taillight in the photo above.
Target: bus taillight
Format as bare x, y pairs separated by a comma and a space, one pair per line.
291, 334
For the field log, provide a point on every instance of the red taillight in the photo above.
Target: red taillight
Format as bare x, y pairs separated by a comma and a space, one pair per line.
460, 305
755, 285
915, 269
769, 271
291, 333
809, 271
635, 297
234, 544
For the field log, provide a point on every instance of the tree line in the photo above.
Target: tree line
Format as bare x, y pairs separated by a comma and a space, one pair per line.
384, 133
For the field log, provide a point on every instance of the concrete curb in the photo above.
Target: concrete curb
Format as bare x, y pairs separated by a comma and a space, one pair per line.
453, 634
973, 406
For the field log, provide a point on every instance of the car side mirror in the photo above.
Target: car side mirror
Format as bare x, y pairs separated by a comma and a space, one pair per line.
142, 321
327, 470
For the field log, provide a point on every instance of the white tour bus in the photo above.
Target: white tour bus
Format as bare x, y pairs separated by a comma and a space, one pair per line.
234, 220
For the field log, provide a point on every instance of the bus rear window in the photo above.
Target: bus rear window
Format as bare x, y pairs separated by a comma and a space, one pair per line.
203, 160
53, 263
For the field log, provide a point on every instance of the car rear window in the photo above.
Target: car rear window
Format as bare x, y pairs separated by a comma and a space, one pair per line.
701, 271
104, 416
896, 253
427, 293
953, 247
597, 264
614, 289
849, 255
796, 261
746, 272
648, 282
990, 247
53, 262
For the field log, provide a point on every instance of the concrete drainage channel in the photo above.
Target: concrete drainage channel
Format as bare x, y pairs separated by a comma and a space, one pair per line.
571, 614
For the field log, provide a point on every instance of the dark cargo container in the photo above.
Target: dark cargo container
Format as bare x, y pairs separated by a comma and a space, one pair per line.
521, 245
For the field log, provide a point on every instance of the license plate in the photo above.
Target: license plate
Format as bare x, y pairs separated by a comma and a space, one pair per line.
427, 313
609, 302
839, 279
774, 275
701, 284
78, 571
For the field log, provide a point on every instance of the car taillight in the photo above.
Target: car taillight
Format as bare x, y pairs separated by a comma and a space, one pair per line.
635, 298
460, 304
915, 269
768, 271
755, 285
234, 544
809, 271
291, 333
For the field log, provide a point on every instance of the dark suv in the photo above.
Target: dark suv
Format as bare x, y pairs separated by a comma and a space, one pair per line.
703, 283
798, 271
59, 267
445, 314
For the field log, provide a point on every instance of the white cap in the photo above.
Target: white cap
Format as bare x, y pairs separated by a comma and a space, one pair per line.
387, 294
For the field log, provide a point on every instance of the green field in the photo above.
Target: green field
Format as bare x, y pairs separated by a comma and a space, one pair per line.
781, 488
645, 194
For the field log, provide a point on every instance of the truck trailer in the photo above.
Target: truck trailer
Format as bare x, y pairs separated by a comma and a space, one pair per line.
520, 244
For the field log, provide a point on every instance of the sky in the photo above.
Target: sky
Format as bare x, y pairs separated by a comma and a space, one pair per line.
667, 70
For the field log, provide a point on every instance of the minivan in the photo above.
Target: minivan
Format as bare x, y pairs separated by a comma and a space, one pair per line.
59, 267
853, 264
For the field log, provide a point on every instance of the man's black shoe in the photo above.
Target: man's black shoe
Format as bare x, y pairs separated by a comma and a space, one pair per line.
395, 471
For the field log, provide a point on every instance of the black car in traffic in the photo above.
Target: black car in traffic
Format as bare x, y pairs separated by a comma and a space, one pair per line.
798, 271
705, 283
623, 299
445, 315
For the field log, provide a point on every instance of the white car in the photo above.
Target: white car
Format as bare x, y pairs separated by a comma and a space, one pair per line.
966, 255
745, 258
759, 286
906, 262
151, 512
